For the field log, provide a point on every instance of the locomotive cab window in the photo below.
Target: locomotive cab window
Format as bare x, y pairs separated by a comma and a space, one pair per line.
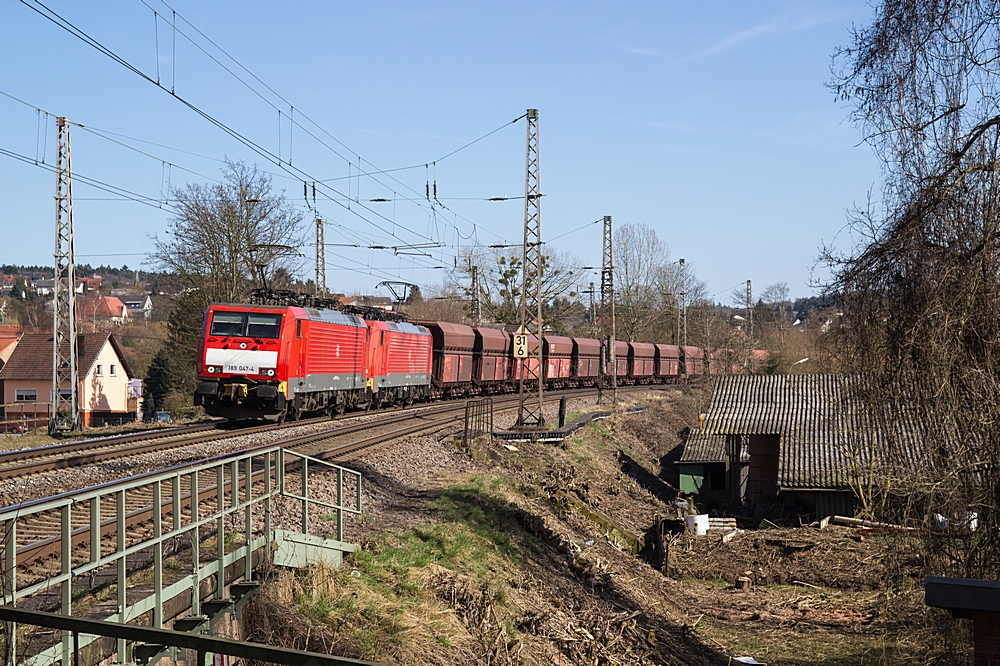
261, 325
227, 324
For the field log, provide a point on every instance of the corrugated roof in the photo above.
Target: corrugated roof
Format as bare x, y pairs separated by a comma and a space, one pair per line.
827, 430
32, 357
701, 447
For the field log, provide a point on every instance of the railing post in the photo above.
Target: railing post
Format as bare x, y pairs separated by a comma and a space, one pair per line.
280, 472
122, 571
357, 492
175, 496
248, 518
95, 529
267, 496
220, 530
10, 561
10, 582
340, 504
66, 569
305, 495
157, 556
195, 547
234, 483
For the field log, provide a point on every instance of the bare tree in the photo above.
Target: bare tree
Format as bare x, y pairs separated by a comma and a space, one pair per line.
921, 289
226, 235
500, 284
646, 282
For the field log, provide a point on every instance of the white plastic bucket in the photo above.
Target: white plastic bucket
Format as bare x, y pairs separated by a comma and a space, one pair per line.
697, 524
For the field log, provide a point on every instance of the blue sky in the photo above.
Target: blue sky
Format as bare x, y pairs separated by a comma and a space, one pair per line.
709, 122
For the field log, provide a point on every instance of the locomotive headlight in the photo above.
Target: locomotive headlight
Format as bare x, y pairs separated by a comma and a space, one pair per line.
211, 369
267, 372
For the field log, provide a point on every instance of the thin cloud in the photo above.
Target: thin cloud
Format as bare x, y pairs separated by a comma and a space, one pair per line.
642, 51
782, 25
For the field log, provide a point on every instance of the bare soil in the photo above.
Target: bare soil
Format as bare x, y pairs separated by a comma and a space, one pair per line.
516, 556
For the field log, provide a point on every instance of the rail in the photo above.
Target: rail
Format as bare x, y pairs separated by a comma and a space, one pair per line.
218, 512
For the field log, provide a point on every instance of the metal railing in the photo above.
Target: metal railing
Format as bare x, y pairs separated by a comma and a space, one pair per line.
51, 545
478, 421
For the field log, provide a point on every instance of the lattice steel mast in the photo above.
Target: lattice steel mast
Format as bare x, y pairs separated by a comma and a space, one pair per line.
529, 412
475, 305
684, 301
65, 415
608, 314
320, 258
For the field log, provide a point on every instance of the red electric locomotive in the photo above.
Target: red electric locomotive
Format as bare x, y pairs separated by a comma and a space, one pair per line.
256, 361
399, 362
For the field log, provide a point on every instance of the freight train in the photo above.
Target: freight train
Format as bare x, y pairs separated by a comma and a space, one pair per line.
259, 361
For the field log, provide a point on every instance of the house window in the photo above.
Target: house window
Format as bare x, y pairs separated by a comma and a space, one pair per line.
112, 370
25, 395
100, 370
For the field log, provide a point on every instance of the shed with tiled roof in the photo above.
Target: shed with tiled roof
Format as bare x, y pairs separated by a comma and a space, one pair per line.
805, 435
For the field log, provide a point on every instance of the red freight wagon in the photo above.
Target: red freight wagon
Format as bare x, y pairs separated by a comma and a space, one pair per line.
274, 361
531, 362
667, 361
587, 357
724, 362
453, 343
621, 359
558, 354
760, 359
693, 360
489, 355
640, 360
399, 361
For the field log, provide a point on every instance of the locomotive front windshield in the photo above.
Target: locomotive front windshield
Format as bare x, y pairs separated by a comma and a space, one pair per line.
245, 324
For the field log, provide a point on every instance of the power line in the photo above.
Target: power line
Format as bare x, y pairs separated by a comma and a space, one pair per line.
247, 142
573, 231
92, 182
58, 20
293, 123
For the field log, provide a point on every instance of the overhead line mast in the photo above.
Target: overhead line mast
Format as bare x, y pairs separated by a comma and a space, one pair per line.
608, 314
320, 258
529, 413
65, 415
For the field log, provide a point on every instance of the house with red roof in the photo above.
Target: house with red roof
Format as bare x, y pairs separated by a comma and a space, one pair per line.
103, 311
9, 335
103, 391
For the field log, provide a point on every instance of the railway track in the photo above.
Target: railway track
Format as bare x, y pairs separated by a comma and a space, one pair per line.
39, 544
24, 462
79, 453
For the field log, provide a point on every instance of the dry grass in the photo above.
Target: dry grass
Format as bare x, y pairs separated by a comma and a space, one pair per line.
489, 567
